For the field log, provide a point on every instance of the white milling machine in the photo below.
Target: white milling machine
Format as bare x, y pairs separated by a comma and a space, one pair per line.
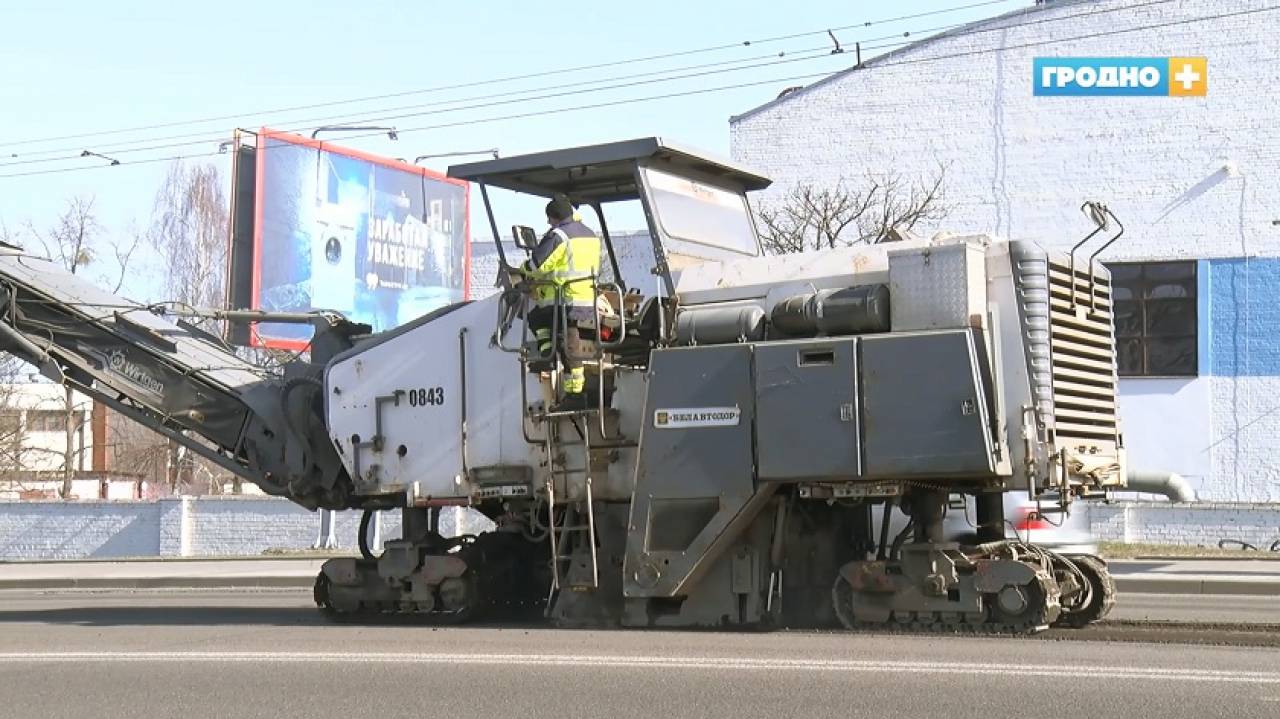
746, 414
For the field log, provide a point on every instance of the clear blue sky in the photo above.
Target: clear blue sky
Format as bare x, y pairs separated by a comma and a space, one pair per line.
79, 66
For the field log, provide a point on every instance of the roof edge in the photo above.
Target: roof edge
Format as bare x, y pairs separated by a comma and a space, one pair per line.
967, 27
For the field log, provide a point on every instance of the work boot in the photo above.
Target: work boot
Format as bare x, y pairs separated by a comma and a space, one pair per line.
540, 356
538, 364
575, 380
572, 402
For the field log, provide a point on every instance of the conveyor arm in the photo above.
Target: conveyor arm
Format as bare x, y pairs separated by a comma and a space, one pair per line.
178, 380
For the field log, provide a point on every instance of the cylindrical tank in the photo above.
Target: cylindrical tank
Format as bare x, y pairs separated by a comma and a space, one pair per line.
849, 311
720, 325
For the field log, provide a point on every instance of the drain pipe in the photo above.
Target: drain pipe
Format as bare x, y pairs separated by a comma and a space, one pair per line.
1174, 486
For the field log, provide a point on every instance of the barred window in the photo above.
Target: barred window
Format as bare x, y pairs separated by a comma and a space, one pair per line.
1156, 318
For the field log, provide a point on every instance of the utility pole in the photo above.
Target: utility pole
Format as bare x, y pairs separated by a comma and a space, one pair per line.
69, 451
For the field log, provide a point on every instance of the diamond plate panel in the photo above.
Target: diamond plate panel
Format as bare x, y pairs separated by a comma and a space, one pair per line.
937, 287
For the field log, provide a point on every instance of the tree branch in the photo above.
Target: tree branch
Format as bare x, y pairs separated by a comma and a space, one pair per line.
809, 217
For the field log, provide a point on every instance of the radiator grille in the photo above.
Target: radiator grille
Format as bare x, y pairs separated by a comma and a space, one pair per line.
1082, 352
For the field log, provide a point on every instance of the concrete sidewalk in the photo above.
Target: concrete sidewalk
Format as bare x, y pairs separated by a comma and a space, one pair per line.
1146, 576
160, 574
1197, 576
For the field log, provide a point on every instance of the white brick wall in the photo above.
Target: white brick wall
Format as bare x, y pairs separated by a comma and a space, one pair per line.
1246, 440
70, 530
1201, 524
180, 527
1020, 166
217, 526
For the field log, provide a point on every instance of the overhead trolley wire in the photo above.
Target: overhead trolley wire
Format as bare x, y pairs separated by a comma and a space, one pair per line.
875, 65
299, 125
813, 53
492, 81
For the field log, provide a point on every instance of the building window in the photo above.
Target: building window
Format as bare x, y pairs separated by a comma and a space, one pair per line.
10, 434
1156, 318
47, 420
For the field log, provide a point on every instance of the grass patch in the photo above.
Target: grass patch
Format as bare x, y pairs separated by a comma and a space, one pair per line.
1121, 550
308, 552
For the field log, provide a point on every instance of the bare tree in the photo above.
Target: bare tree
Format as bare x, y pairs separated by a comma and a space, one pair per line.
810, 217
13, 443
13, 439
77, 241
137, 451
71, 241
189, 232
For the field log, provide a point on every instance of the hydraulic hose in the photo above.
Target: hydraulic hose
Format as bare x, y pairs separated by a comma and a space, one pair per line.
901, 539
366, 518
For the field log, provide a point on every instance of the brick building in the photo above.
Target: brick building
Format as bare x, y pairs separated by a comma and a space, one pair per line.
1195, 180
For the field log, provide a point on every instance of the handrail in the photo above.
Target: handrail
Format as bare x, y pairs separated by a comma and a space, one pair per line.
523, 290
462, 371
504, 307
1078, 245
1093, 301
599, 345
622, 315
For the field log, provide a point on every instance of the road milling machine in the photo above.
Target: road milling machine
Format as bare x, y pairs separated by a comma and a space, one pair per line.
746, 414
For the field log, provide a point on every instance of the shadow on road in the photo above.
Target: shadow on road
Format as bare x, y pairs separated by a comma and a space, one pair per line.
167, 616
195, 615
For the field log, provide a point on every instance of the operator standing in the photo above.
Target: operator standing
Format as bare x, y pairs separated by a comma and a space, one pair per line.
566, 258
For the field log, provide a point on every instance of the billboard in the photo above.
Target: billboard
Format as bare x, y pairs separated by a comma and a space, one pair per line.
378, 240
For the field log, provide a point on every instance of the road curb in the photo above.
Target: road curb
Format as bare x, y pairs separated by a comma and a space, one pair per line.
1192, 585
263, 582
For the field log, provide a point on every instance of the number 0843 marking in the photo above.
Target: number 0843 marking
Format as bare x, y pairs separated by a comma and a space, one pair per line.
426, 396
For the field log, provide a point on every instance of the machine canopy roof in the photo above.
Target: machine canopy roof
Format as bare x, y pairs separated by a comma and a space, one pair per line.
604, 173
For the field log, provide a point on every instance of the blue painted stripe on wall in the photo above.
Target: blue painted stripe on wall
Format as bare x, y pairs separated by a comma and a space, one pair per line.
1244, 317
1204, 310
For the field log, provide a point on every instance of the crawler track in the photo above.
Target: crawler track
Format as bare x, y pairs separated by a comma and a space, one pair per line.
1038, 616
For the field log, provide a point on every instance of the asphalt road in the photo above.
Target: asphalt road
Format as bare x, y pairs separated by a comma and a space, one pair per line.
265, 654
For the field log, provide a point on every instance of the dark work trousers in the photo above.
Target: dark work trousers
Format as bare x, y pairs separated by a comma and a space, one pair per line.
540, 321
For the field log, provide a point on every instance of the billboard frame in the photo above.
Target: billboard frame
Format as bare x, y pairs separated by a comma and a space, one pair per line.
266, 134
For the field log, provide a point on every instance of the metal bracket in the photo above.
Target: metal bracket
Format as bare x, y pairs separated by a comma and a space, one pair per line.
378, 441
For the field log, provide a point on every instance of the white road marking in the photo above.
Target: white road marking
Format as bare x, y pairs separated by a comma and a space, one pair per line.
1216, 676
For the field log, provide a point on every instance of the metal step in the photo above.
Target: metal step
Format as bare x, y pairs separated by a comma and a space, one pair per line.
567, 413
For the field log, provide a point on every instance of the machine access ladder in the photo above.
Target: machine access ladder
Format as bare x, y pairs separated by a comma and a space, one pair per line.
574, 559
573, 542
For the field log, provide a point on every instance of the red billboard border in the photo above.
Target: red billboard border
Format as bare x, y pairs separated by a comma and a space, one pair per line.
290, 138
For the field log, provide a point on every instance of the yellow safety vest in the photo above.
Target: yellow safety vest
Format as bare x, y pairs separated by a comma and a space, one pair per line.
576, 256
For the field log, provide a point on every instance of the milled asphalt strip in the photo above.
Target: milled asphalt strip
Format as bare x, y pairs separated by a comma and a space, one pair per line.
655, 662
1159, 584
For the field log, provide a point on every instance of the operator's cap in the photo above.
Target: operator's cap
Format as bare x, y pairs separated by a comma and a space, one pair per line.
560, 207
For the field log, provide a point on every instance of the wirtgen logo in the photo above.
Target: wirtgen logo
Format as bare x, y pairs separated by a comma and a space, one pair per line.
1120, 76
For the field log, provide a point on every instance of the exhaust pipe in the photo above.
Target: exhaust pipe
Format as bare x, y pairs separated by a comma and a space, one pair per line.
1174, 486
